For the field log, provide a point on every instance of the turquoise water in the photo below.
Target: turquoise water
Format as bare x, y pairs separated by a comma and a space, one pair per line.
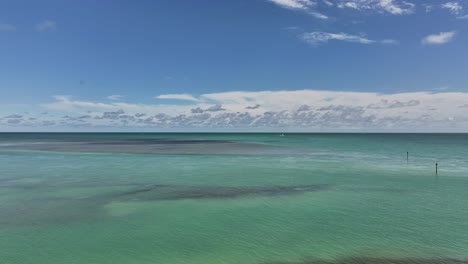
232, 198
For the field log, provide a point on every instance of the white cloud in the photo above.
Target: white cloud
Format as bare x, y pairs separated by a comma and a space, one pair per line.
66, 103
306, 109
350, 5
396, 9
323, 37
438, 39
186, 97
115, 97
318, 15
7, 27
393, 7
47, 25
454, 7
295, 4
302, 5
463, 17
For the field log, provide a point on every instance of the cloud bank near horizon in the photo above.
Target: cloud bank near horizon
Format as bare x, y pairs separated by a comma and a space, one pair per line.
301, 110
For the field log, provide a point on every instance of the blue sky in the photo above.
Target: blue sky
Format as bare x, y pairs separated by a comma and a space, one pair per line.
347, 65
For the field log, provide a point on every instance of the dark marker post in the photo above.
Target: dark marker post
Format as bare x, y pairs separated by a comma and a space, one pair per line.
407, 156
436, 167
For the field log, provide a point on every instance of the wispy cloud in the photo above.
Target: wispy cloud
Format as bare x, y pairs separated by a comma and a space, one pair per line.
316, 38
438, 39
428, 8
396, 9
454, 7
115, 97
7, 27
390, 42
295, 4
66, 103
352, 5
186, 97
393, 7
47, 25
328, 3
307, 6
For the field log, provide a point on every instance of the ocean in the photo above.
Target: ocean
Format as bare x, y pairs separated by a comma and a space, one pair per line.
145, 198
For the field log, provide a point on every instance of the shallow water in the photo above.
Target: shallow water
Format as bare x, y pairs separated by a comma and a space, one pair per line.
233, 198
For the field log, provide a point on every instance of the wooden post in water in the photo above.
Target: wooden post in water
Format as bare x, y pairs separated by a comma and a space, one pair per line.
407, 156
437, 168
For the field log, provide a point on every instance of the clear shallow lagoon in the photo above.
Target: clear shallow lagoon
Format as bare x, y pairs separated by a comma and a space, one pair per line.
233, 198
